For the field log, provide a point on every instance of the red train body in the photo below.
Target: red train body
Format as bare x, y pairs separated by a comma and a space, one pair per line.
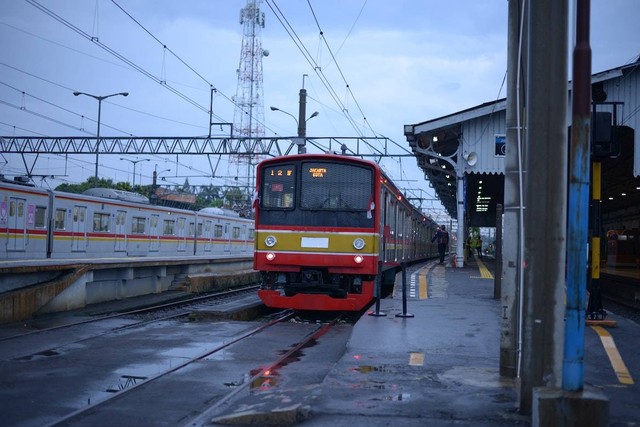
327, 226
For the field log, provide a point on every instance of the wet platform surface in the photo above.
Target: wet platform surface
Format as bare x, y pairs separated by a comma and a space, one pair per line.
437, 368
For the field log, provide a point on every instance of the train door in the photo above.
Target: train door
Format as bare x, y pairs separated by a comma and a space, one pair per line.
393, 221
207, 236
17, 223
181, 234
218, 237
154, 233
192, 235
245, 238
79, 229
227, 237
121, 231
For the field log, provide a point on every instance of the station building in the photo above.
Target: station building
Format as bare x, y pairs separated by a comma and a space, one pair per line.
463, 154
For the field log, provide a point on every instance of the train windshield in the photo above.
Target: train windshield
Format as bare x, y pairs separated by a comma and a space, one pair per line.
279, 187
335, 186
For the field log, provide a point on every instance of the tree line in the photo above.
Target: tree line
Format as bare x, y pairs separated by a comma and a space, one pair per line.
229, 197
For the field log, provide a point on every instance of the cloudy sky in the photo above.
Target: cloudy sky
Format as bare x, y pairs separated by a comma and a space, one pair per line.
389, 63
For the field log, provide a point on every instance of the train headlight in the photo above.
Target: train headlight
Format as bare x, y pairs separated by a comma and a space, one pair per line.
270, 241
358, 259
358, 243
271, 256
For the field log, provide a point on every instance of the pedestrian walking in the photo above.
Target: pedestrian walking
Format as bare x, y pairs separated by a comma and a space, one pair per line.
442, 236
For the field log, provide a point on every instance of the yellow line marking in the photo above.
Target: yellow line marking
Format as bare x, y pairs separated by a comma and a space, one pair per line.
484, 271
614, 356
422, 276
416, 359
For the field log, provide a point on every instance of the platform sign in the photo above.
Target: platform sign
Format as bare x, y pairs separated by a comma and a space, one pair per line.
501, 141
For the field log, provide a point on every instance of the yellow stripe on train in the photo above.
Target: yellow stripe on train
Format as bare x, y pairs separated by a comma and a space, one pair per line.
316, 241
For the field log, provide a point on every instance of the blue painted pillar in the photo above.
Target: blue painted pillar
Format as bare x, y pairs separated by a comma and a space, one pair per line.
578, 209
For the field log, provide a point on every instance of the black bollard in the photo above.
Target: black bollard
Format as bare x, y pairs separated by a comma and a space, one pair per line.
404, 292
376, 290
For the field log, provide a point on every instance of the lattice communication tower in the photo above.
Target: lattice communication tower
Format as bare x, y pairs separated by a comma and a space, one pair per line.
248, 117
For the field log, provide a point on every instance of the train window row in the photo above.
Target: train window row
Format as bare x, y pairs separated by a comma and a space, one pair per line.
102, 221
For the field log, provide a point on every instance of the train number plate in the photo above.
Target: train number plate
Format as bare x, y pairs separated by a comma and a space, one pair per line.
315, 242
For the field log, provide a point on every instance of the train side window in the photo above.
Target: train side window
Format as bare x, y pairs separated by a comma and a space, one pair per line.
137, 225
218, 231
278, 187
207, 226
100, 221
60, 215
169, 225
199, 229
236, 233
251, 233
192, 228
40, 217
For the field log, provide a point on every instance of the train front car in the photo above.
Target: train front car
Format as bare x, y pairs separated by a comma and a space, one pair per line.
317, 240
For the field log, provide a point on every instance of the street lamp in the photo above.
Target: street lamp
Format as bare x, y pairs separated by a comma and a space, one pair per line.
156, 174
135, 162
302, 130
100, 99
282, 111
314, 114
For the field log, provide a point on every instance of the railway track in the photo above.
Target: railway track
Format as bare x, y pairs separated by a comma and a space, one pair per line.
141, 316
81, 414
621, 295
98, 373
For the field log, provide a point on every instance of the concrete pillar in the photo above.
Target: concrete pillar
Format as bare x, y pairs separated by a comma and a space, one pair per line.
545, 198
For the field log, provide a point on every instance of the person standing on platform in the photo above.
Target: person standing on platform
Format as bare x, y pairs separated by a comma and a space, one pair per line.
442, 236
479, 246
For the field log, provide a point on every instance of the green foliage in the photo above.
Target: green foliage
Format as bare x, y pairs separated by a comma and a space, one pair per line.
209, 195
91, 183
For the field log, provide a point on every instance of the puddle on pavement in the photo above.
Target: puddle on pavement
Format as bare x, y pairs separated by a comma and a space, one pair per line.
41, 354
271, 378
365, 369
394, 397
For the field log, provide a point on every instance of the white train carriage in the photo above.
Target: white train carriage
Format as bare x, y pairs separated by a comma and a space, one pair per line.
107, 223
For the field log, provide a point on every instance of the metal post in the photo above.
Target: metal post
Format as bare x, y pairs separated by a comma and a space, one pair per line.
404, 292
99, 99
595, 309
497, 278
510, 298
376, 290
302, 123
95, 178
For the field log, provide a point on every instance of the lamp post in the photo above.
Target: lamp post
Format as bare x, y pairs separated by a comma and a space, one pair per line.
302, 128
100, 99
135, 162
156, 174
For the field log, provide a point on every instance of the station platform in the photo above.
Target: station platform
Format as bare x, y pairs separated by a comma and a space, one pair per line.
439, 367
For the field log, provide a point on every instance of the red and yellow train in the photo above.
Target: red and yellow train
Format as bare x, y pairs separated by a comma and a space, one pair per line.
327, 226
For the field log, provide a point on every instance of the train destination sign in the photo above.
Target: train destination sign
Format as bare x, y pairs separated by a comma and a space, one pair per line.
317, 172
